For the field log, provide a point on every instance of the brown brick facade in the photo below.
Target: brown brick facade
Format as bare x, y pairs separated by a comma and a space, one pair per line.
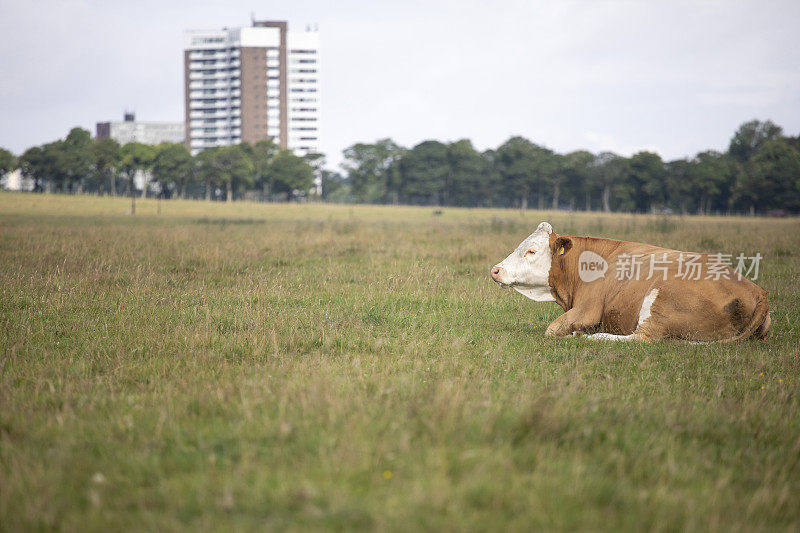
254, 93
283, 95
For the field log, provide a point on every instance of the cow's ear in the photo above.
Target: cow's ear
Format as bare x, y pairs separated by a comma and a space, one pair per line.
561, 246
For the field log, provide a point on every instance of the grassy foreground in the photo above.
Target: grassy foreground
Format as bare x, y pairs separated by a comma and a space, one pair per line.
257, 367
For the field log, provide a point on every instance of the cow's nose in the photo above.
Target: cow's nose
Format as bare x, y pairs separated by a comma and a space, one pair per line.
496, 273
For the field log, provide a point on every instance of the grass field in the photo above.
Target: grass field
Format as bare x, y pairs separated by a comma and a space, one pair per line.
254, 367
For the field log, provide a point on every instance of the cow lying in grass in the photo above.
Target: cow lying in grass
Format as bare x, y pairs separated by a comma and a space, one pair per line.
621, 290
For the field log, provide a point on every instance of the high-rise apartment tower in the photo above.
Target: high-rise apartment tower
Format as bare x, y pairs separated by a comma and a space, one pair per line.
252, 83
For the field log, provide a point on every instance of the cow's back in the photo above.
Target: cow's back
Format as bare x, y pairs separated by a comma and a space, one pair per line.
714, 304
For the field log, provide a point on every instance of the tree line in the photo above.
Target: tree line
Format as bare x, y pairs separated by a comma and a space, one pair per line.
759, 172
80, 164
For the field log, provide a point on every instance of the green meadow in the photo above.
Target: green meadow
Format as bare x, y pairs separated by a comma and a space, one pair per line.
244, 366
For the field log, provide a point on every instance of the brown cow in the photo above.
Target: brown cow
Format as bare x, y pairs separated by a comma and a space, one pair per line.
621, 290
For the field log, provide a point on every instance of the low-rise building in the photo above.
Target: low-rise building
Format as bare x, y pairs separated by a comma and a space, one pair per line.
130, 129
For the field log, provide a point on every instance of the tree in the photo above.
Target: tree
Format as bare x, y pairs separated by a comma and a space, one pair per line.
53, 165
469, 181
749, 138
609, 170
77, 158
172, 166
424, 171
707, 174
334, 187
496, 194
678, 183
291, 174
261, 155
762, 157
105, 154
33, 166
747, 190
316, 161
573, 171
234, 167
45, 165
7, 161
523, 167
136, 157
62, 163
369, 170
206, 170
777, 169
646, 177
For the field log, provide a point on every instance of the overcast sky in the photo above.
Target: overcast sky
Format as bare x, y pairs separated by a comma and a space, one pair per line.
671, 76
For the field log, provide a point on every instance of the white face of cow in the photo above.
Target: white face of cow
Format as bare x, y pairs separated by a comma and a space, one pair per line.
527, 268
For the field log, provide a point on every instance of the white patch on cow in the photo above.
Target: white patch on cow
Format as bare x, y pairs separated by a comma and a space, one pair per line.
527, 269
611, 337
537, 294
644, 314
647, 303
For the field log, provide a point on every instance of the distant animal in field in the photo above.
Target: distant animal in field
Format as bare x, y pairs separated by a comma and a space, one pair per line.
620, 290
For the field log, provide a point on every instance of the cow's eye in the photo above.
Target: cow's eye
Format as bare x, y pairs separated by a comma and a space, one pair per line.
530, 252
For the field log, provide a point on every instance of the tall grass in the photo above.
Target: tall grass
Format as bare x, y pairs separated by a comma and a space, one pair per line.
257, 367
